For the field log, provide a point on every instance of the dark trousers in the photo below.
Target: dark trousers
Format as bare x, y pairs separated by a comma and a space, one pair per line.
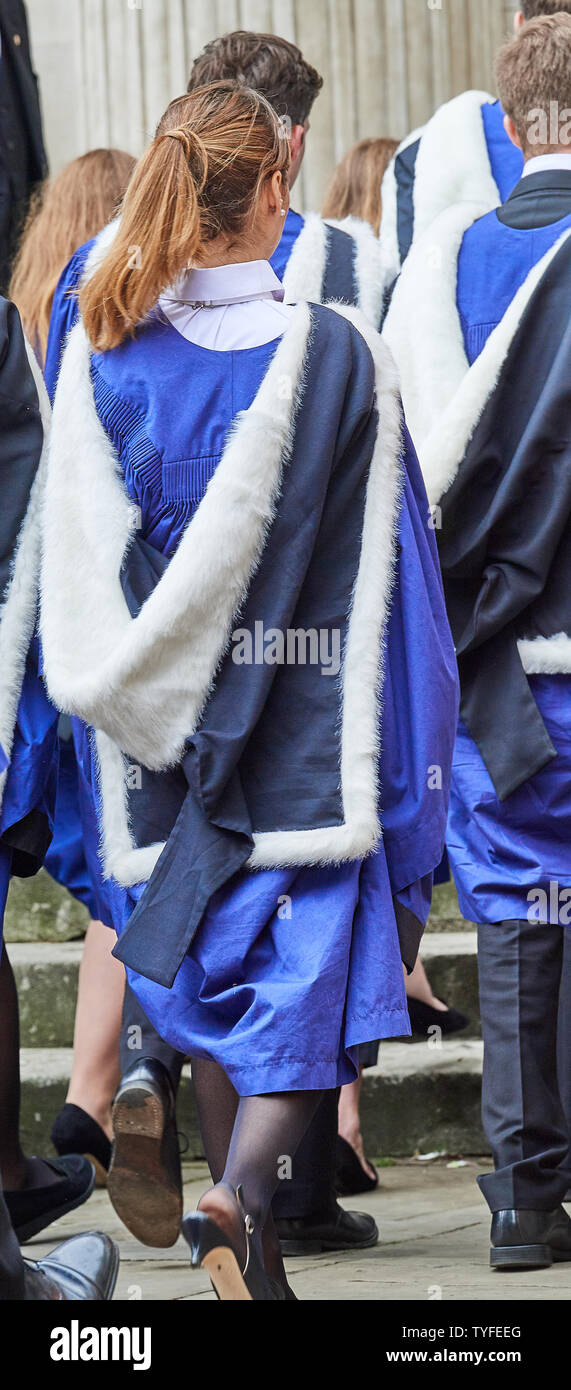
139, 1039
311, 1188
564, 1036
520, 967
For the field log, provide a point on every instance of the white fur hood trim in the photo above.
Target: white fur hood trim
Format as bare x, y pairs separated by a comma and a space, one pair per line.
305, 272
423, 328
546, 656
443, 448
453, 164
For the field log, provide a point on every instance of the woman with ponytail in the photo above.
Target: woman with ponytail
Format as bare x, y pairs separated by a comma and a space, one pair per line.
241, 602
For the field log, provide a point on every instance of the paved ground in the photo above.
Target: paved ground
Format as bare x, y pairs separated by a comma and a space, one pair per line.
434, 1245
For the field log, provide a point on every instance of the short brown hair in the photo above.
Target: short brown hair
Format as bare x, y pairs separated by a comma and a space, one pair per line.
200, 178
266, 62
533, 75
355, 188
532, 9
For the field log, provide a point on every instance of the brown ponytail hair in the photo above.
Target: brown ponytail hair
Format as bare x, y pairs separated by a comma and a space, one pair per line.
199, 179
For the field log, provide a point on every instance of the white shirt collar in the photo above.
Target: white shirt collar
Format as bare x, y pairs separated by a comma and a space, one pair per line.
225, 284
543, 162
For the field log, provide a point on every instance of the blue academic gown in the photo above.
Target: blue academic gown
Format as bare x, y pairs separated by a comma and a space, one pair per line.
500, 850
282, 993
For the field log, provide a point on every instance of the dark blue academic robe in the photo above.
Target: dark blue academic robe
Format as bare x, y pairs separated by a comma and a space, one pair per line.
500, 850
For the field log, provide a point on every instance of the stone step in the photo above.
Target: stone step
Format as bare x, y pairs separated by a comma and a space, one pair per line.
421, 1098
46, 974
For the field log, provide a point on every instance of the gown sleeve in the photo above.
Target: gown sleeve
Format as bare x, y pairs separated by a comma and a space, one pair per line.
65, 313
420, 707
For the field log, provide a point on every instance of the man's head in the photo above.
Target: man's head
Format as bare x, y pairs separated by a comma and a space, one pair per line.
533, 75
272, 66
532, 9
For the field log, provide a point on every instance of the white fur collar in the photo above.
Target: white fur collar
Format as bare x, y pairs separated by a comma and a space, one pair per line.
19, 610
453, 164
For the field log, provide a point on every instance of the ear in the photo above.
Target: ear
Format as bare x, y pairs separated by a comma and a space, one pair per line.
510, 130
519, 21
296, 141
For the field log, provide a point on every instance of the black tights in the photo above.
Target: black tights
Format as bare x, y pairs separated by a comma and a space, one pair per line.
12, 1161
250, 1141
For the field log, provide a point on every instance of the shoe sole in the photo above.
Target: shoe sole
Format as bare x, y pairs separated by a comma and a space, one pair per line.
33, 1228
139, 1186
112, 1277
506, 1257
323, 1247
222, 1269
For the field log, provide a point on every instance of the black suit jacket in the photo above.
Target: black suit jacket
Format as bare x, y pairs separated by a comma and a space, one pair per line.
538, 200
22, 156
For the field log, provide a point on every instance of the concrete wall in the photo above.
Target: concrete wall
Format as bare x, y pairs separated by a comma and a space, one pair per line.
108, 68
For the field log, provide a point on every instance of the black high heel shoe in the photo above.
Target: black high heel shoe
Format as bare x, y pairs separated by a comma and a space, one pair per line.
212, 1250
76, 1132
350, 1177
423, 1016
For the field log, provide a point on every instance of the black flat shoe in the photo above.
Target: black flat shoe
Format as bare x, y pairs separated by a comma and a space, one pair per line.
350, 1176
76, 1132
145, 1179
33, 1208
524, 1239
423, 1016
212, 1250
333, 1230
83, 1268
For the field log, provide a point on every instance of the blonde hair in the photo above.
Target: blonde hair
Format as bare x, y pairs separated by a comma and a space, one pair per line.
199, 179
355, 188
65, 212
532, 72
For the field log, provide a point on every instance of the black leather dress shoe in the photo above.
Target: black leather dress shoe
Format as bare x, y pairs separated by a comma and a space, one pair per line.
33, 1208
84, 1268
335, 1229
530, 1239
145, 1181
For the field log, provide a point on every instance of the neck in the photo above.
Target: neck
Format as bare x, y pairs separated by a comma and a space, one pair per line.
237, 254
549, 153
